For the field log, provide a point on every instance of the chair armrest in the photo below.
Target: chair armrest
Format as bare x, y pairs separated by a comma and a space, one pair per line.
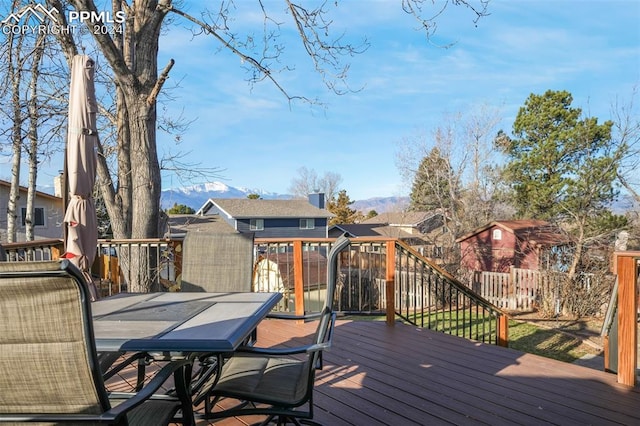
285, 351
325, 345
288, 316
146, 392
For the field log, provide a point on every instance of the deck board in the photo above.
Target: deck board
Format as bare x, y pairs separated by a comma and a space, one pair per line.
380, 375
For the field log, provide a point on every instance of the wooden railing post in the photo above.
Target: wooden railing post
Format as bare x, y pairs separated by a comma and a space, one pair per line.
503, 330
57, 251
298, 276
390, 282
627, 318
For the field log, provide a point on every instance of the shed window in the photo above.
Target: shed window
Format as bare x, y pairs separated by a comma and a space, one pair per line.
256, 224
497, 234
307, 224
38, 216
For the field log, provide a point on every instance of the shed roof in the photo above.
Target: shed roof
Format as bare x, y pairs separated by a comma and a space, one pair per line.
537, 231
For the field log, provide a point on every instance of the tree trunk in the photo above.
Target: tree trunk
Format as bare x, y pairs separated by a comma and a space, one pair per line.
146, 173
33, 137
15, 77
134, 205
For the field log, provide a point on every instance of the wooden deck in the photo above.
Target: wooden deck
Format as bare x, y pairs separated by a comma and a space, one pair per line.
380, 375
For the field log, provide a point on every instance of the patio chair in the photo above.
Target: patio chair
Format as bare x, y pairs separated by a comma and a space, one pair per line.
217, 262
49, 371
277, 382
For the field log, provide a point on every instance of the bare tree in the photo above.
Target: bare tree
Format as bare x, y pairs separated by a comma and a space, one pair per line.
32, 97
459, 156
626, 130
308, 182
132, 193
34, 113
13, 82
447, 171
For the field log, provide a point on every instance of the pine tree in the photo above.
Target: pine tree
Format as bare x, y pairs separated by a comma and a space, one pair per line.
435, 185
563, 168
340, 208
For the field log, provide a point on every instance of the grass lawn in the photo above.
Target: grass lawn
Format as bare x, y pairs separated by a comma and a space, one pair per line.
550, 342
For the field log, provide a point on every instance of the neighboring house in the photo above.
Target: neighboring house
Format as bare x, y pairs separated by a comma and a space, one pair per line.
272, 218
48, 214
526, 244
424, 231
179, 224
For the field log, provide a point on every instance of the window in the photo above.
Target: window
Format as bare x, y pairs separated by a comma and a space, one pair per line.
497, 234
256, 224
307, 223
38, 216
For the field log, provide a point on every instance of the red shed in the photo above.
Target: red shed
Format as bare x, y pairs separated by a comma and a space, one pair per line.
502, 244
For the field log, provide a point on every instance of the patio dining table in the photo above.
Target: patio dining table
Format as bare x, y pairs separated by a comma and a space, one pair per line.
178, 324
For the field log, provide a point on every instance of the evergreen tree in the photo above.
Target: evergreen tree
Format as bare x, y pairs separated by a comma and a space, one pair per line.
339, 206
563, 167
180, 209
435, 186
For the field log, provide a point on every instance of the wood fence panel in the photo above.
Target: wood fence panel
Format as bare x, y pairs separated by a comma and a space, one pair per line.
515, 290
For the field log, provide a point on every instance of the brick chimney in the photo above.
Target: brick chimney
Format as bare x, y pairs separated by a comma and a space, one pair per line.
317, 200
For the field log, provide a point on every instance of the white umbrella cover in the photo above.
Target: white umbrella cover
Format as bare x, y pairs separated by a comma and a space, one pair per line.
80, 216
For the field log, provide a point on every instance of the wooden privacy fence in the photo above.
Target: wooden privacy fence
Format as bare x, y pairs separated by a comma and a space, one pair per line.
518, 289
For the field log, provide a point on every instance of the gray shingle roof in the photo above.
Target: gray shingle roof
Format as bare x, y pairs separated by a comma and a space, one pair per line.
182, 223
400, 218
240, 208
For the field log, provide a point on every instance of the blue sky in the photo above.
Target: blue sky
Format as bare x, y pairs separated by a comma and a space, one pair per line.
590, 48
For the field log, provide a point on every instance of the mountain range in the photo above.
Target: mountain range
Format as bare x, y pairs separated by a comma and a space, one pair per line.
196, 195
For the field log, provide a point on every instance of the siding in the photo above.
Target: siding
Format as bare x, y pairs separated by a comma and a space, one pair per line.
53, 215
285, 228
276, 228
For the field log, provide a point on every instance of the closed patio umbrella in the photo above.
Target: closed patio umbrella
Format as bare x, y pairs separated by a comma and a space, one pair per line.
80, 216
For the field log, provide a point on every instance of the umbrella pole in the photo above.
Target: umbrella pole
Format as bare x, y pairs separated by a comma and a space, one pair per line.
65, 196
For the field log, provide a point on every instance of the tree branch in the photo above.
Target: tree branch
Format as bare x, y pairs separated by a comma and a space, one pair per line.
159, 83
266, 72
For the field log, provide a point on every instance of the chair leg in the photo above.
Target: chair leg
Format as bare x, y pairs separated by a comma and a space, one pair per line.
286, 420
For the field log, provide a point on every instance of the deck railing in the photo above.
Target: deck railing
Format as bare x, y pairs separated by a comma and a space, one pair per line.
378, 276
429, 297
620, 331
37, 250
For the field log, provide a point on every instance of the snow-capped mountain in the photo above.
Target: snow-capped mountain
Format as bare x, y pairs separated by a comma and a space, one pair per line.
195, 196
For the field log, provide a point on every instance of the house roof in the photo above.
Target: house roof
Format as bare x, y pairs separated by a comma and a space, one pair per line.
400, 218
537, 231
244, 208
181, 223
25, 189
358, 229
373, 230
